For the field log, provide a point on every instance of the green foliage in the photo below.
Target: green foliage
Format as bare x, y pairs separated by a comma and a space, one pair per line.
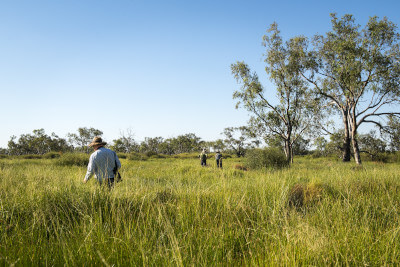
82, 139
73, 159
269, 158
30, 156
126, 143
393, 132
187, 143
357, 70
51, 155
122, 155
37, 143
151, 153
239, 139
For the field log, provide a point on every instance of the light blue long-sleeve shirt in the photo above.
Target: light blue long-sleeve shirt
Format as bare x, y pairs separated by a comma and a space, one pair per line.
102, 163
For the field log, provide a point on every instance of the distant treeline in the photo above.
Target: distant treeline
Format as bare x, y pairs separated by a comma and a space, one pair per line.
235, 141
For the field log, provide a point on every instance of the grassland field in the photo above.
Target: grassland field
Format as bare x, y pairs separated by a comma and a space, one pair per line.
173, 212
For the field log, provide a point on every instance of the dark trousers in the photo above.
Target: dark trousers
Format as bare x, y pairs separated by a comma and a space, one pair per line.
110, 182
219, 163
203, 162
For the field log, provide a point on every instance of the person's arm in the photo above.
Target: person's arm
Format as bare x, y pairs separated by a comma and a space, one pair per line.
90, 170
117, 161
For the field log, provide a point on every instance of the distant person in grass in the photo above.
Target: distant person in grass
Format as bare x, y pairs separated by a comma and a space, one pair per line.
203, 158
103, 163
218, 159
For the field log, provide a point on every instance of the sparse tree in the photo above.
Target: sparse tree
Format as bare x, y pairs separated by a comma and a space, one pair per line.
238, 139
126, 143
81, 140
371, 144
292, 116
358, 71
392, 130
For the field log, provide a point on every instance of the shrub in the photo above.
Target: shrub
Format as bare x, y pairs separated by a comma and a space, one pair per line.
150, 153
226, 156
269, 158
378, 157
122, 155
393, 157
136, 156
396, 157
30, 156
51, 155
73, 159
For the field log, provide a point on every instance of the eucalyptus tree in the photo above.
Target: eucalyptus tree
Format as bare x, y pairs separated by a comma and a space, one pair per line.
151, 144
187, 143
126, 143
358, 71
371, 144
292, 116
239, 139
37, 143
392, 130
81, 140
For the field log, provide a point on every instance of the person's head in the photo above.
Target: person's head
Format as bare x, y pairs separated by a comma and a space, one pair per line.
97, 143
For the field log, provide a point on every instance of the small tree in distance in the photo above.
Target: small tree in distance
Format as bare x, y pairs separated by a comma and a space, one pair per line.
239, 139
293, 115
81, 140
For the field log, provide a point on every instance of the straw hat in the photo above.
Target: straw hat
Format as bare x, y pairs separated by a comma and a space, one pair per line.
97, 141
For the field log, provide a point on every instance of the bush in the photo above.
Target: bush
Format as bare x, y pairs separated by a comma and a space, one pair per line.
136, 156
51, 155
226, 156
73, 159
30, 156
150, 153
269, 158
393, 157
122, 155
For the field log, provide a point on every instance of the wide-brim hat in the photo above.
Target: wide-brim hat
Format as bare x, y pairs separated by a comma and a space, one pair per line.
97, 141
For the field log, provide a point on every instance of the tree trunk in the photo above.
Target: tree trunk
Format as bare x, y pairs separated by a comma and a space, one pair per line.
288, 151
346, 156
356, 150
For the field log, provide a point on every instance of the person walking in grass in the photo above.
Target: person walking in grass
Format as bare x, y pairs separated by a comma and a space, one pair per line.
218, 159
103, 163
203, 158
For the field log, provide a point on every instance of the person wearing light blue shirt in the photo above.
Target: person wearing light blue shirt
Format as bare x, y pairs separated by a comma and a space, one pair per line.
103, 163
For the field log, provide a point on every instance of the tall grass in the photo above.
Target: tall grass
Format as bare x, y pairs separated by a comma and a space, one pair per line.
174, 212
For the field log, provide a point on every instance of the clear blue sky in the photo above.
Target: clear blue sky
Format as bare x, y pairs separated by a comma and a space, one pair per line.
159, 68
